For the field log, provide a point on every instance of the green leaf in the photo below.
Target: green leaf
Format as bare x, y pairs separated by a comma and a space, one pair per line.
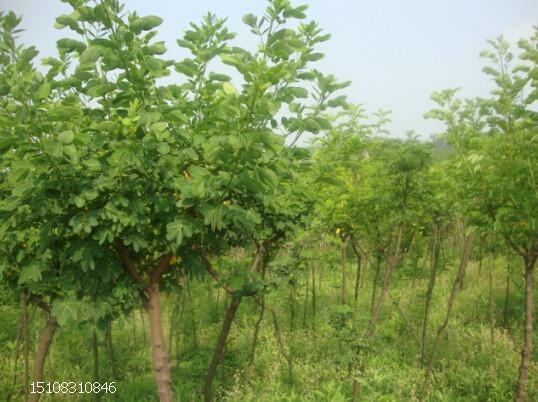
100, 89
92, 164
159, 127
71, 45
30, 273
64, 311
53, 148
163, 148
71, 152
66, 137
79, 201
156, 48
145, 23
250, 20
177, 230
229, 89
65, 113
43, 91
90, 55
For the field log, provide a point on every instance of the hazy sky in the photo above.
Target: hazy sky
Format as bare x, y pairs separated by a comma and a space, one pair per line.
395, 52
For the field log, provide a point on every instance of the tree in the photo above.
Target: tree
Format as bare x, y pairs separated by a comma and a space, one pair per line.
496, 145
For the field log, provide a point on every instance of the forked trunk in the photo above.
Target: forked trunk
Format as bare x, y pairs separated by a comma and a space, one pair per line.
452, 298
161, 361
43, 347
429, 292
256, 332
391, 265
218, 353
521, 390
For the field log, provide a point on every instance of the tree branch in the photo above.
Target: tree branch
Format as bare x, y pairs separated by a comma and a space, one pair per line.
214, 274
161, 268
128, 263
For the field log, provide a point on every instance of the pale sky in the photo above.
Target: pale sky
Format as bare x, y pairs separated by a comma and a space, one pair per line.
396, 53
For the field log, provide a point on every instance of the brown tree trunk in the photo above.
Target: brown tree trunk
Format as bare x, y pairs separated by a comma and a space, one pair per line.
452, 298
391, 265
161, 361
110, 351
355, 397
287, 356
314, 291
305, 307
260, 318
374, 286
358, 273
219, 348
429, 292
257, 332
43, 347
344, 272
506, 293
521, 391
491, 301
26, 344
95, 349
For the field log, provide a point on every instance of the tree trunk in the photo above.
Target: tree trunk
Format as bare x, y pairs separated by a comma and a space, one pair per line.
219, 348
344, 272
391, 265
281, 346
172, 321
374, 286
110, 351
305, 307
43, 347
491, 301
314, 292
429, 292
358, 274
26, 344
257, 332
191, 312
161, 361
95, 349
455, 287
356, 386
135, 343
521, 391
506, 293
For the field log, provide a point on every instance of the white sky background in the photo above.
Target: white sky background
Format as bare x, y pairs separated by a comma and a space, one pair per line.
395, 52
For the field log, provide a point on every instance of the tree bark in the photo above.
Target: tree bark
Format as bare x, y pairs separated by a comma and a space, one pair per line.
468, 244
358, 273
161, 361
491, 301
506, 293
257, 332
429, 292
219, 348
26, 344
521, 391
95, 349
376, 279
305, 307
391, 265
43, 347
344, 271
314, 291
110, 351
